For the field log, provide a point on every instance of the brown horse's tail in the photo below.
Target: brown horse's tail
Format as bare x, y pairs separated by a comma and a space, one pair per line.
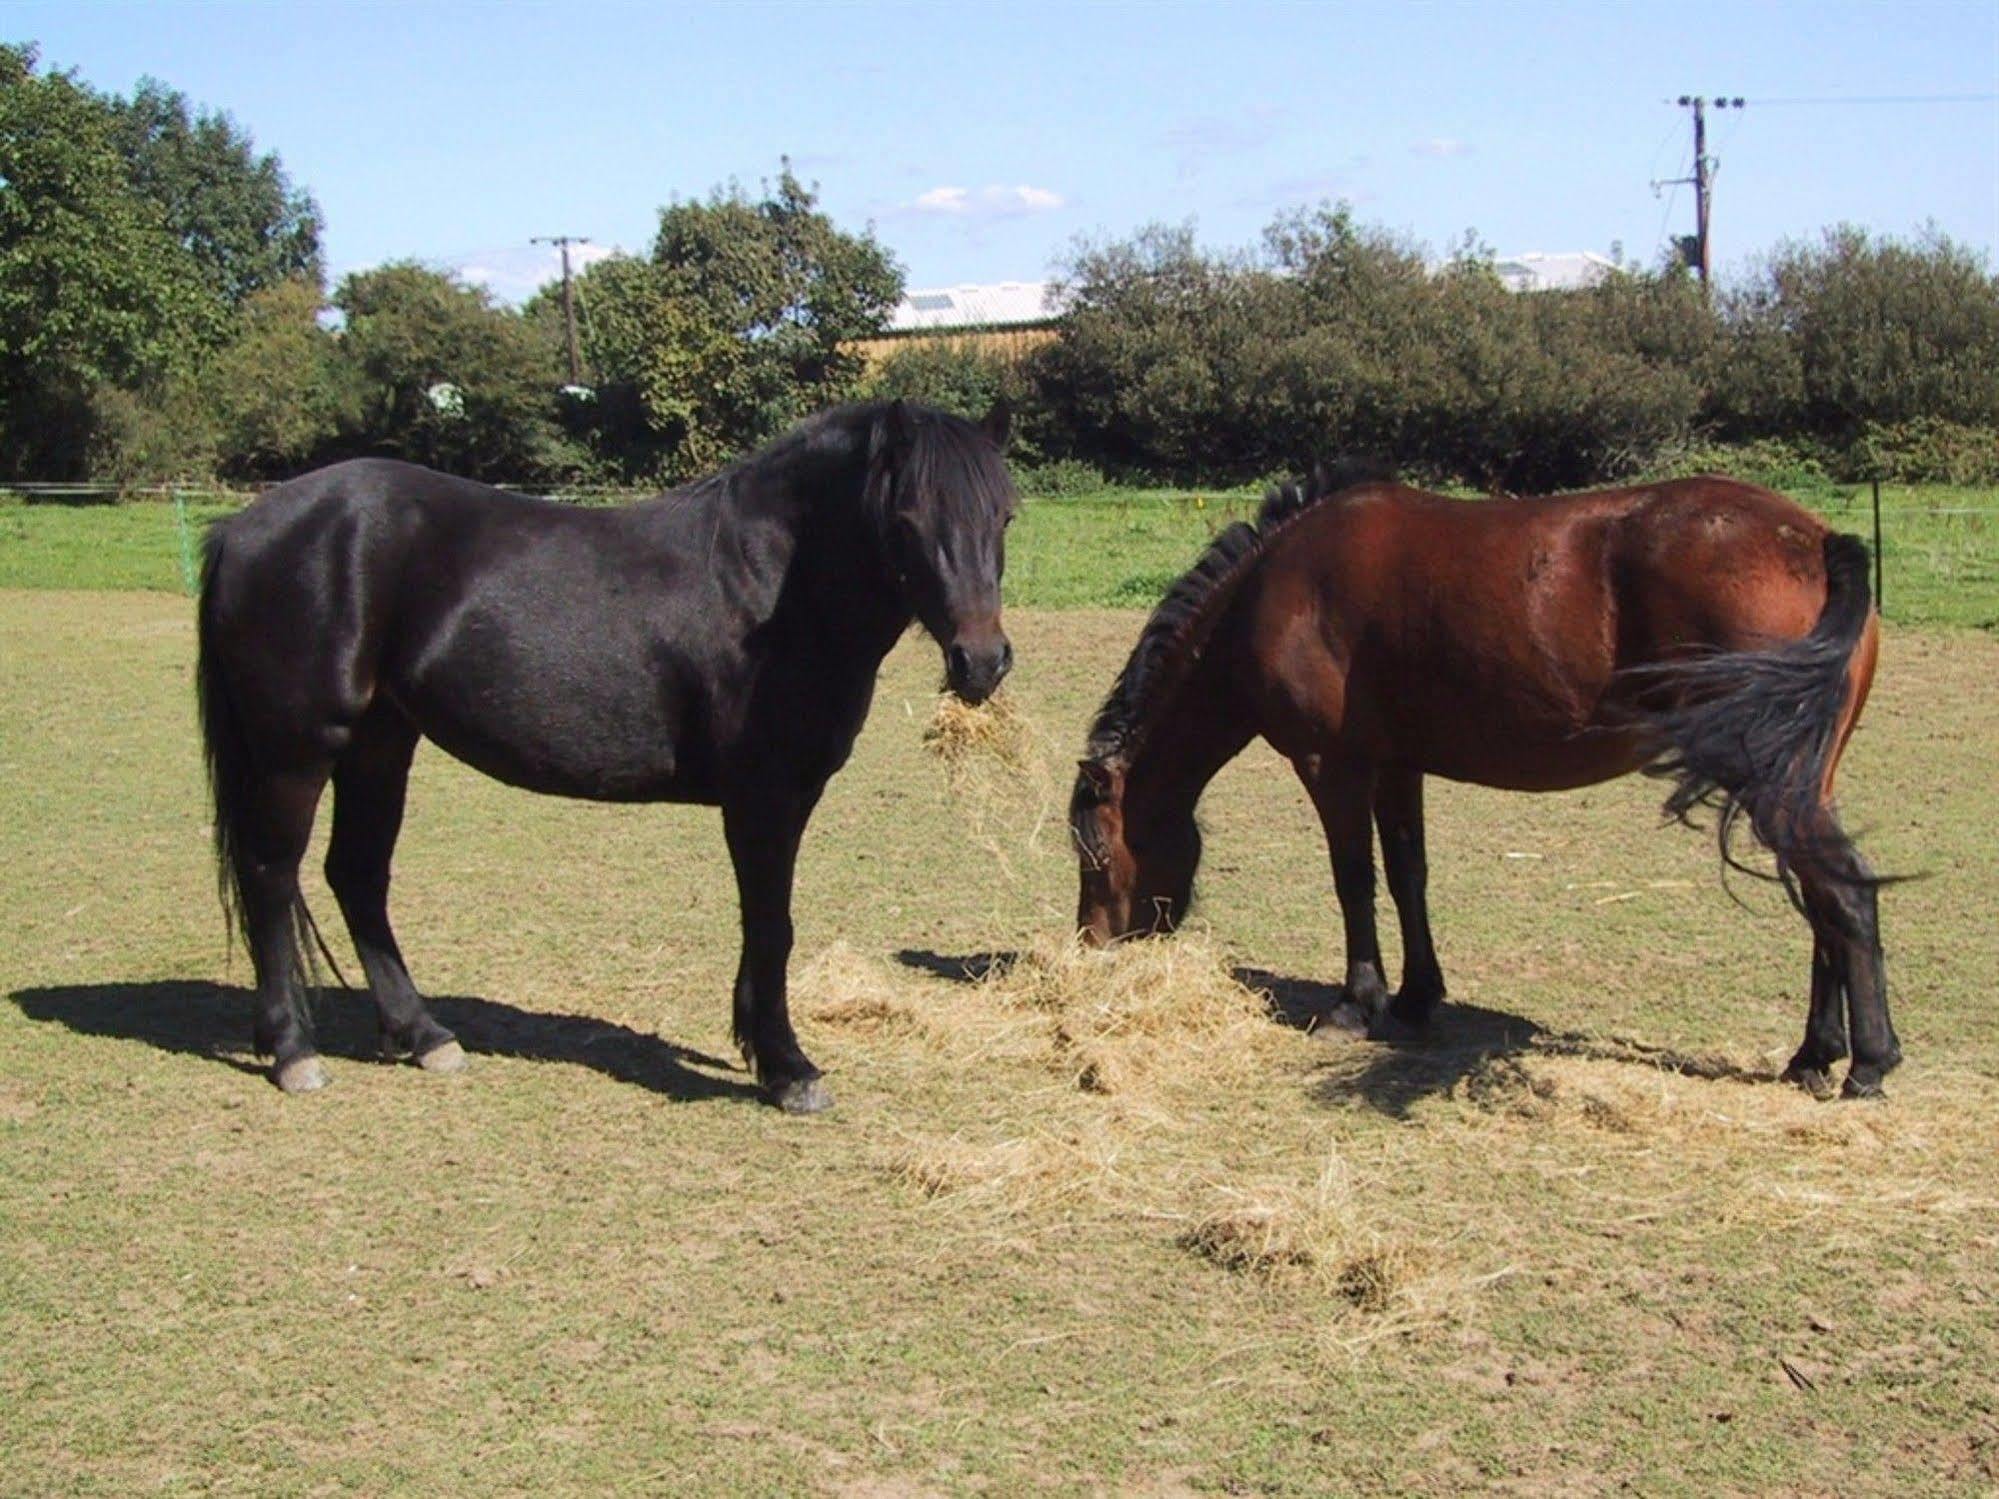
232, 784
1755, 734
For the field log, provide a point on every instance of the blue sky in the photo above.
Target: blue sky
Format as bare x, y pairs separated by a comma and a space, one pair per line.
980, 140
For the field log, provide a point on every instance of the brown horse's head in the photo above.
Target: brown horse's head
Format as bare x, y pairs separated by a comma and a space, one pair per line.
1137, 870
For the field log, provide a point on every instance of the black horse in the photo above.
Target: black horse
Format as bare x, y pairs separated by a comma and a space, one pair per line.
716, 645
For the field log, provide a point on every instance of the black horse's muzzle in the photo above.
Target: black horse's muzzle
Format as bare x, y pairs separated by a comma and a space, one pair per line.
974, 672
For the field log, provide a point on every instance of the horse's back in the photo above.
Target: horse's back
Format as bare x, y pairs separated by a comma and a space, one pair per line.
1482, 640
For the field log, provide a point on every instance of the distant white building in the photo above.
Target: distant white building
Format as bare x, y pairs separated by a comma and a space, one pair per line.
1002, 305
1537, 270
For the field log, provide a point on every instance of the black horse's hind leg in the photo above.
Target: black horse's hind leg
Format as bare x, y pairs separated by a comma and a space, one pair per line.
370, 781
1825, 1026
1840, 899
763, 831
1398, 811
272, 842
1343, 792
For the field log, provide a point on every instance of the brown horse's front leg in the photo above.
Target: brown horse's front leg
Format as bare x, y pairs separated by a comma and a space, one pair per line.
763, 833
1343, 791
1398, 811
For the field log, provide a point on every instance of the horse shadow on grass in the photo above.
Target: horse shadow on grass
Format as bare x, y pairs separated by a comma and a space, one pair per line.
1392, 1076
213, 1021
1461, 1041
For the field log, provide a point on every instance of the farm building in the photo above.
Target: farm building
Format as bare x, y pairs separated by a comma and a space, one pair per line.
1009, 317
1537, 270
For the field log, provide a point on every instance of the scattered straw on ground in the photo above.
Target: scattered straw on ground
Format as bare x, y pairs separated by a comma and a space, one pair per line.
844, 988
1383, 1281
1017, 1176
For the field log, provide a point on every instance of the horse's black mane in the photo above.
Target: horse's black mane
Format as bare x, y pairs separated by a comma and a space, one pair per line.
1172, 638
947, 456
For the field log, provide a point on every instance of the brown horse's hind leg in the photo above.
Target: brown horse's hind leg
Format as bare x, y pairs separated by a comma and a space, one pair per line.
271, 843
1343, 792
1398, 812
1825, 1040
1825, 1026
1840, 900
370, 781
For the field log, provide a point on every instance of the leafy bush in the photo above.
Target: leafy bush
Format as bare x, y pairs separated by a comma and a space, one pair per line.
1058, 479
1925, 450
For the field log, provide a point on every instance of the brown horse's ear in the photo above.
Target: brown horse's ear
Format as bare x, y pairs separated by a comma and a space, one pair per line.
998, 424
1097, 774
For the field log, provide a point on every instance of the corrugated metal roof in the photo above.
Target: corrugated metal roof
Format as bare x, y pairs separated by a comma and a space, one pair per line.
1537, 270
1003, 304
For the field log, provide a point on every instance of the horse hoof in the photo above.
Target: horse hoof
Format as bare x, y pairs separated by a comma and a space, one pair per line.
1343, 1017
445, 1059
1816, 1081
301, 1075
1860, 1087
803, 1095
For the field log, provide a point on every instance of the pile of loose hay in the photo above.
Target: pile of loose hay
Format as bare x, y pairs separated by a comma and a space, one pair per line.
1151, 1013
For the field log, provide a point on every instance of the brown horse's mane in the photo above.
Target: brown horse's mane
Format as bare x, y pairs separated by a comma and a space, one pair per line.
1180, 625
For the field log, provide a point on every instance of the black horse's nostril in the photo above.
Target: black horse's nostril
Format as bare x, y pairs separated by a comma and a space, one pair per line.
958, 661
1006, 657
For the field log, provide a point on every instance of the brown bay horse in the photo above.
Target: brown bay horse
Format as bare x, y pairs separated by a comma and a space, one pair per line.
1704, 630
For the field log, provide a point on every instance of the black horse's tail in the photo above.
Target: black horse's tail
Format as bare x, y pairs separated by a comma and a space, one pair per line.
1753, 734
232, 779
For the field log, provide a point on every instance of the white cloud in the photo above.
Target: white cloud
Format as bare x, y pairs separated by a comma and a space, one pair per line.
993, 201
1441, 145
943, 200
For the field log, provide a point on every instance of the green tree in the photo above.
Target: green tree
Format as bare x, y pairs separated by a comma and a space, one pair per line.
94, 289
442, 376
233, 209
740, 321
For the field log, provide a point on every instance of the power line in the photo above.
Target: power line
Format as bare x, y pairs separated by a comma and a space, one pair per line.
1881, 99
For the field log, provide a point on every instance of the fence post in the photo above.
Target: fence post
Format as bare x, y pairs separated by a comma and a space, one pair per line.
187, 571
1880, 603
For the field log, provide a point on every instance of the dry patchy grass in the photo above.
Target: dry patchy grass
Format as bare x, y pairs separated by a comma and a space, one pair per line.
1082, 1221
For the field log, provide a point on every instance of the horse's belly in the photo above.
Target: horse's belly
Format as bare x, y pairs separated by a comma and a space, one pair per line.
1523, 757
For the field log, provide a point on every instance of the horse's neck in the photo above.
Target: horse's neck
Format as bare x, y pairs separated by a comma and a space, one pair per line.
1173, 765
795, 541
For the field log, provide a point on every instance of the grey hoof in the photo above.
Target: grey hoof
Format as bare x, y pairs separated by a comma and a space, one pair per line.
305, 1074
803, 1095
1816, 1081
445, 1059
1860, 1087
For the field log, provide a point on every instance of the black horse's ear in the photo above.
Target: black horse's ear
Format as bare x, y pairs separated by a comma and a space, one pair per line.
1097, 774
895, 431
998, 424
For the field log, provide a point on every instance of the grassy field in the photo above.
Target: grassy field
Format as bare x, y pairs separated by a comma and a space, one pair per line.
1119, 548
1577, 1241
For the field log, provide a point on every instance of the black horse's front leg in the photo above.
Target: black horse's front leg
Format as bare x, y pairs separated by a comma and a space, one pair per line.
763, 832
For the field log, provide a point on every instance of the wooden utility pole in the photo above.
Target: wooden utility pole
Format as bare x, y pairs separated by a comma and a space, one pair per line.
568, 297
1703, 178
